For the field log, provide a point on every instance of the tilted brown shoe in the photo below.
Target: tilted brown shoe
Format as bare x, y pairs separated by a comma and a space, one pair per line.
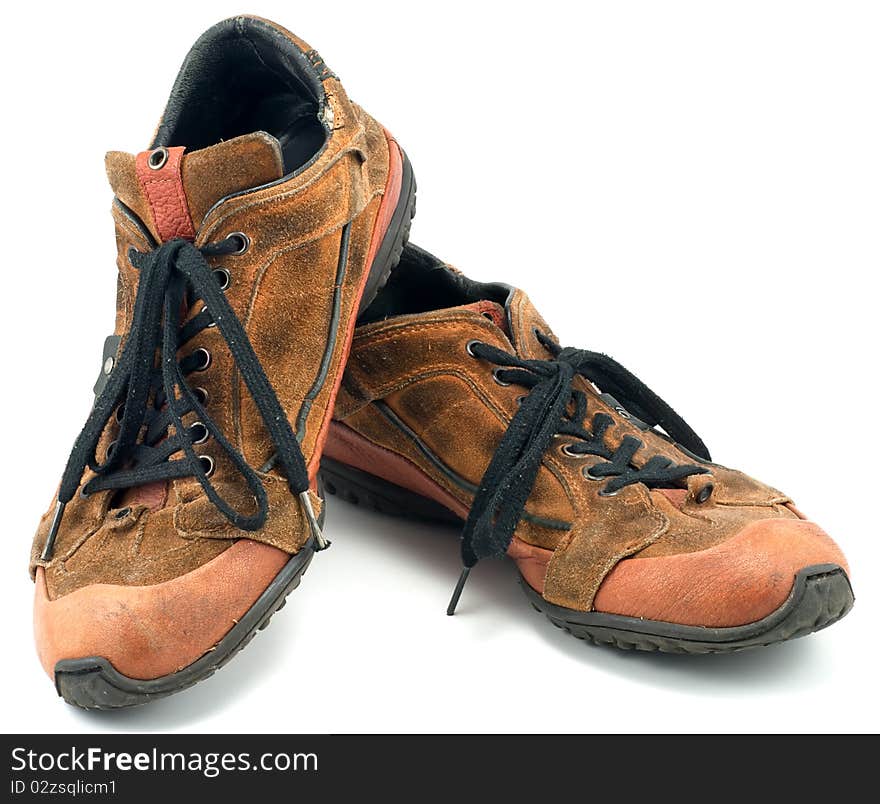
458, 404
267, 212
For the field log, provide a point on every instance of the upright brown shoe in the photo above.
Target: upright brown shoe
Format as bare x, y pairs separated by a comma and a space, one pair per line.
458, 404
267, 212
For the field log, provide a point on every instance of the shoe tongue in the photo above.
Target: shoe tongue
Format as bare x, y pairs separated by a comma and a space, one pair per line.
171, 192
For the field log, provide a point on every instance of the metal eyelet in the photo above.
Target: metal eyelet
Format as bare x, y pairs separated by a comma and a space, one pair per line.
201, 395
606, 493
205, 356
120, 412
703, 495
469, 348
223, 277
207, 463
244, 242
566, 449
497, 379
588, 473
108, 365
520, 400
110, 449
537, 333
122, 513
199, 433
157, 159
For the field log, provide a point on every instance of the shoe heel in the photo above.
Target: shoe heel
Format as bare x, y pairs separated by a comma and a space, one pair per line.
396, 234
376, 494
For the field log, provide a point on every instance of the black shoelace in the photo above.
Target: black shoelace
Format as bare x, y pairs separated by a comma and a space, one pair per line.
151, 399
554, 406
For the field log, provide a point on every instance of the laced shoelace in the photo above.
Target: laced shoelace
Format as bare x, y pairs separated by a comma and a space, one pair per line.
154, 399
554, 406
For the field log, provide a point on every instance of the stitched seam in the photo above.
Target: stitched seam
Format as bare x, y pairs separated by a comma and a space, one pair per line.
123, 222
392, 331
180, 219
745, 504
248, 315
661, 522
444, 370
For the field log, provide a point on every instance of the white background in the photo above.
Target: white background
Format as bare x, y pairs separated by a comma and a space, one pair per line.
691, 187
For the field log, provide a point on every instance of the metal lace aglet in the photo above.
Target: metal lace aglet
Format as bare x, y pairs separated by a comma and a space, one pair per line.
320, 541
450, 609
53, 531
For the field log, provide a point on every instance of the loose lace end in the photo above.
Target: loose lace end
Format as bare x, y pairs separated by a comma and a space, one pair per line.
320, 542
53, 531
450, 609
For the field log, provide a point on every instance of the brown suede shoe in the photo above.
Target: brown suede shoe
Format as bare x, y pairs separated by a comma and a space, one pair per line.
458, 404
267, 212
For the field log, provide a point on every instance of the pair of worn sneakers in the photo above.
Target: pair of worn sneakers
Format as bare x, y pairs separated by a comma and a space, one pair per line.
265, 353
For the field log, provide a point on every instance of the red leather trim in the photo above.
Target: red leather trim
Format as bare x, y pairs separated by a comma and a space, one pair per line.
163, 189
150, 631
494, 312
733, 583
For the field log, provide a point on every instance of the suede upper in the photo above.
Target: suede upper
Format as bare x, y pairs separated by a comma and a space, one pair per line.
413, 389
295, 212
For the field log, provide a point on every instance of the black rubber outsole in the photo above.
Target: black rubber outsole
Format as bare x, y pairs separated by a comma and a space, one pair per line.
821, 595
93, 683
395, 239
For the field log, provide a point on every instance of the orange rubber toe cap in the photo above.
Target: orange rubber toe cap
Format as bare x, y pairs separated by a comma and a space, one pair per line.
149, 631
733, 583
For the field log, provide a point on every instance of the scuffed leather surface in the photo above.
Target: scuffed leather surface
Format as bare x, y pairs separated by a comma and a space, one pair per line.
453, 404
281, 290
233, 166
418, 366
734, 582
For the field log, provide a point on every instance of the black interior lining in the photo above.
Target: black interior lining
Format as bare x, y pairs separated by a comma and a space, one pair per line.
242, 76
422, 283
